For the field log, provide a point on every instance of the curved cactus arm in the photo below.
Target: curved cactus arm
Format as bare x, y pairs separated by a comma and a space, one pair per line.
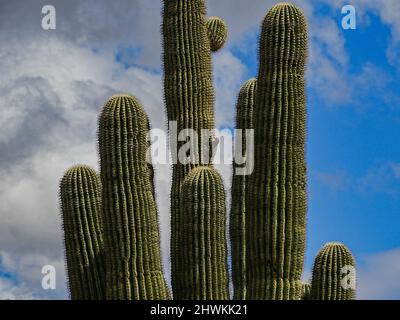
333, 273
276, 222
202, 243
217, 33
244, 121
80, 195
134, 269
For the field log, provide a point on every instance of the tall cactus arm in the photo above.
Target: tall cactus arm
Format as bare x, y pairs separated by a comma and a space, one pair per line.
189, 95
202, 242
80, 195
133, 258
244, 121
276, 222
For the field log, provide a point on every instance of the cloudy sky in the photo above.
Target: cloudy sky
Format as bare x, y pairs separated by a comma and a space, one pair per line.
53, 84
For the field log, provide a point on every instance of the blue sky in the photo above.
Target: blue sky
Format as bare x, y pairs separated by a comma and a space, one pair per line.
53, 84
356, 145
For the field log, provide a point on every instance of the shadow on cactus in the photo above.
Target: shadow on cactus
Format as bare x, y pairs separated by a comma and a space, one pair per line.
111, 226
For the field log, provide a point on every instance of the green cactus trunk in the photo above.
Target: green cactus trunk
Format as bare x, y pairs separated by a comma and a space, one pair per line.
333, 263
244, 120
134, 269
81, 215
202, 242
276, 223
189, 97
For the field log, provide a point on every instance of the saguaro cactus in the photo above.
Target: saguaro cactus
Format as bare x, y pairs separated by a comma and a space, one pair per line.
276, 219
81, 215
189, 98
134, 269
244, 121
202, 240
333, 273
268, 214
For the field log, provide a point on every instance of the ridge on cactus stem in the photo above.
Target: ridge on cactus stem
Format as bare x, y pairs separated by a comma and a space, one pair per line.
80, 195
276, 203
334, 273
133, 259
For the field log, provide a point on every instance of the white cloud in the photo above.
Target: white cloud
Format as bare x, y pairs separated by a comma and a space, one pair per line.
10, 291
381, 178
31, 227
334, 181
396, 170
328, 63
229, 74
102, 26
52, 93
378, 275
26, 282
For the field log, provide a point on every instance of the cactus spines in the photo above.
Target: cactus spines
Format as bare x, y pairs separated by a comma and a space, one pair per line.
333, 263
133, 260
244, 120
305, 291
202, 242
217, 33
276, 223
189, 94
80, 191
